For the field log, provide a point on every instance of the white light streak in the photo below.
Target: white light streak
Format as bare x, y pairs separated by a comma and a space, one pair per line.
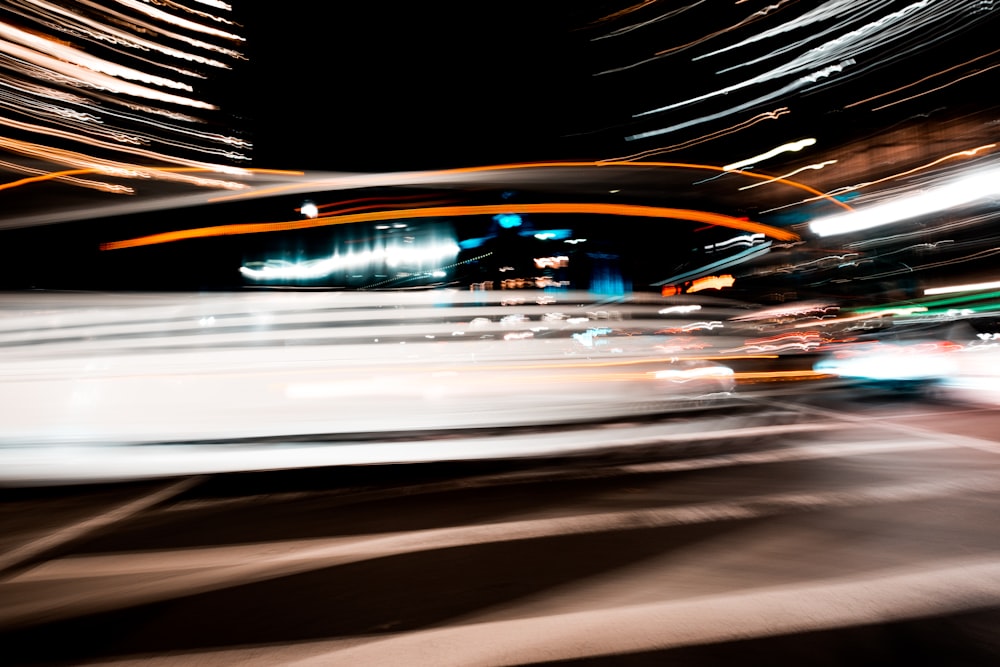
679, 309
816, 166
963, 191
180, 22
70, 21
392, 256
971, 287
821, 44
792, 147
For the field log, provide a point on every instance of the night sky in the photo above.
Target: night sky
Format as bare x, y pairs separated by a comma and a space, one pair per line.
423, 85
370, 87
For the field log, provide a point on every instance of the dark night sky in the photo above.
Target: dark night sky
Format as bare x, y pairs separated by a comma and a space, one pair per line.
376, 87
423, 85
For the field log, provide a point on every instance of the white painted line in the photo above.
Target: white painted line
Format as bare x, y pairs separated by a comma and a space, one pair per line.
910, 593
67, 534
49, 464
796, 453
188, 571
990, 446
779, 455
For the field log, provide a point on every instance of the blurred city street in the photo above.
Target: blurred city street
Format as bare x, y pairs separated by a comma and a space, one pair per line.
564, 333
851, 530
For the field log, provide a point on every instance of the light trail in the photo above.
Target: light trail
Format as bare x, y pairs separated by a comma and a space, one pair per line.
841, 191
68, 21
676, 49
922, 233
791, 147
871, 315
99, 81
971, 287
643, 24
178, 21
131, 171
767, 115
624, 12
836, 42
457, 211
769, 98
815, 167
825, 12
404, 178
959, 192
926, 78
120, 78
386, 201
733, 260
941, 87
825, 59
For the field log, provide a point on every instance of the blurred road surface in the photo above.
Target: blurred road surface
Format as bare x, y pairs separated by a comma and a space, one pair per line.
849, 529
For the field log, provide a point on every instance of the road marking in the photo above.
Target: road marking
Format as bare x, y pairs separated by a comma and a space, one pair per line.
946, 413
339, 497
901, 594
24, 554
797, 453
25, 465
223, 567
880, 422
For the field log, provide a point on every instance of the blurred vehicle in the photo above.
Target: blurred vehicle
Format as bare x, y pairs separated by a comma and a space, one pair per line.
966, 371
976, 376
901, 367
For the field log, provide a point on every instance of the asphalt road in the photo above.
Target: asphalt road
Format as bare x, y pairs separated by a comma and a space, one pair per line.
852, 529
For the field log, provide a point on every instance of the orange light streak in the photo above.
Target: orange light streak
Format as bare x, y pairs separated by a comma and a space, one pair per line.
941, 87
777, 376
484, 367
744, 22
360, 200
116, 171
711, 282
927, 78
369, 207
623, 12
458, 211
513, 166
971, 152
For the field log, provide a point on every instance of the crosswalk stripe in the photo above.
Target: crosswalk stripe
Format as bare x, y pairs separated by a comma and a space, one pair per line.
270, 561
906, 593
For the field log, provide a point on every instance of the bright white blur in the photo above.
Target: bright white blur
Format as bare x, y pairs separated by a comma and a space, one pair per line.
82, 372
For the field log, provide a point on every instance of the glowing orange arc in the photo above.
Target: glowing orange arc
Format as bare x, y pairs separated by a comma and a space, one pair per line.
459, 211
